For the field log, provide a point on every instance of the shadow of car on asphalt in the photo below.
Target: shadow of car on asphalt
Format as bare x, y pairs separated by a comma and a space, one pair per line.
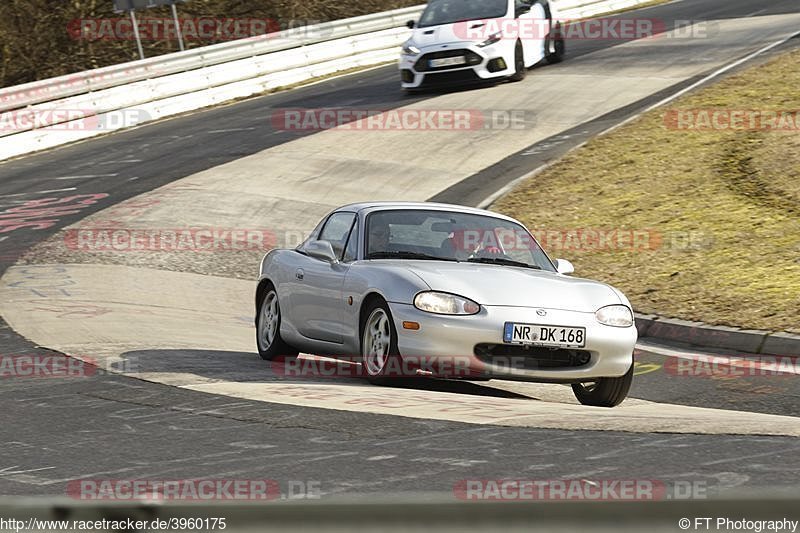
246, 367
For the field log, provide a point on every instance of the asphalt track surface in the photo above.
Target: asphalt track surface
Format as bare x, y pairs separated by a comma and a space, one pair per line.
111, 426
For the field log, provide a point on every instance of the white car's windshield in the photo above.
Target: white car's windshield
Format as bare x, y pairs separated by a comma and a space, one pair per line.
448, 11
451, 236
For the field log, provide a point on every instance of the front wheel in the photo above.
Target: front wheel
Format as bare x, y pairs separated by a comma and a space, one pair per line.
605, 392
379, 353
519, 64
559, 47
268, 328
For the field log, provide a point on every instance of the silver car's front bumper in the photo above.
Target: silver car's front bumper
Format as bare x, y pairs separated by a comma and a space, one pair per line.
441, 336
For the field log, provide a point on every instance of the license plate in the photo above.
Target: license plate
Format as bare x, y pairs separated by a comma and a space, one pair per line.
447, 61
541, 335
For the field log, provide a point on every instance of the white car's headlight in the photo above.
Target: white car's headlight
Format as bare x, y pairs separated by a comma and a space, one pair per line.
615, 315
410, 50
493, 38
443, 303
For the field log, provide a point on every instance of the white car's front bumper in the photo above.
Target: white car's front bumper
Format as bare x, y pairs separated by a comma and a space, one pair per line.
609, 349
495, 61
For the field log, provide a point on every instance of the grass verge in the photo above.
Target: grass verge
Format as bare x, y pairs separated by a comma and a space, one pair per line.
716, 211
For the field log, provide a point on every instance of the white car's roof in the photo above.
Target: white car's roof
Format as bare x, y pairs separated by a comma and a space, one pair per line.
383, 206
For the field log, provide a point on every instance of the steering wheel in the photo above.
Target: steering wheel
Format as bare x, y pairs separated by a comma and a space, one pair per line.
490, 252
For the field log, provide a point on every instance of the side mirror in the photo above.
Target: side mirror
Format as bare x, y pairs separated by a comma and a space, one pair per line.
321, 250
564, 267
410, 24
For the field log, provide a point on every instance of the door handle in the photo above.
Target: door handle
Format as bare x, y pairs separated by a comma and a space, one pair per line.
299, 274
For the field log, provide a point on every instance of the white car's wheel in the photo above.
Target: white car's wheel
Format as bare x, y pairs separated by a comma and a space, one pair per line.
378, 343
519, 64
605, 392
558, 45
268, 328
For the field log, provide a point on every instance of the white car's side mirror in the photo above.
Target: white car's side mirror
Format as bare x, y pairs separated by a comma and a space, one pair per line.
410, 24
564, 267
321, 250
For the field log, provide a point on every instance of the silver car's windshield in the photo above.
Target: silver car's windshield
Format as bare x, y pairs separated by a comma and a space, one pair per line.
449, 11
451, 236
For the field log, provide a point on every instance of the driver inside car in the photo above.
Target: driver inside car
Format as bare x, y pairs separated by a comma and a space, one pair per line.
378, 238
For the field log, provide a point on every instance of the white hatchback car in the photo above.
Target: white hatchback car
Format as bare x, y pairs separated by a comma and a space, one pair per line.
464, 41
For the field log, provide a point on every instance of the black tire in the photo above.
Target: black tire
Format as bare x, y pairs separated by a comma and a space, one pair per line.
519, 64
605, 392
379, 374
558, 43
269, 350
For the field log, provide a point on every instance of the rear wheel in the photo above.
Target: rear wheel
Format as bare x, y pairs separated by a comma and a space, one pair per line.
268, 328
519, 64
379, 351
605, 392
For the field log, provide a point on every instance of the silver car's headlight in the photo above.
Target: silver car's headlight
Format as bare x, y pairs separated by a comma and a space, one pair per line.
443, 303
410, 50
615, 315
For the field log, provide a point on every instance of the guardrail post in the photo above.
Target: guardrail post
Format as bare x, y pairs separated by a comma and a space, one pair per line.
136, 33
177, 25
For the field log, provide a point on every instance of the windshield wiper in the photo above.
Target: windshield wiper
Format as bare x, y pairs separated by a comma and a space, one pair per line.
502, 261
407, 255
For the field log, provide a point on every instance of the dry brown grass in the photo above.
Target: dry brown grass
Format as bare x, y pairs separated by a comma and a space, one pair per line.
736, 193
35, 42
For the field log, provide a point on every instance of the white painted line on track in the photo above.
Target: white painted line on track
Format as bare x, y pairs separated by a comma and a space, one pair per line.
34, 193
492, 198
57, 190
86, 176
230, 130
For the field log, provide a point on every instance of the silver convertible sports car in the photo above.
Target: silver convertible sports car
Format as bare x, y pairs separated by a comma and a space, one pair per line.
450, 291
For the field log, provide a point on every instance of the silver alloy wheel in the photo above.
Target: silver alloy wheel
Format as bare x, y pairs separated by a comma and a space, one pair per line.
377, 341
589, 387
270, 319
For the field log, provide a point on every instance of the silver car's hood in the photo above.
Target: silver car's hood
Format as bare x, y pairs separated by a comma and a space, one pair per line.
514, 286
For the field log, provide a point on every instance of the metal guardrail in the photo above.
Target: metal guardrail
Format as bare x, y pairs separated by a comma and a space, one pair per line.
175, 83
93, 80
579, 9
